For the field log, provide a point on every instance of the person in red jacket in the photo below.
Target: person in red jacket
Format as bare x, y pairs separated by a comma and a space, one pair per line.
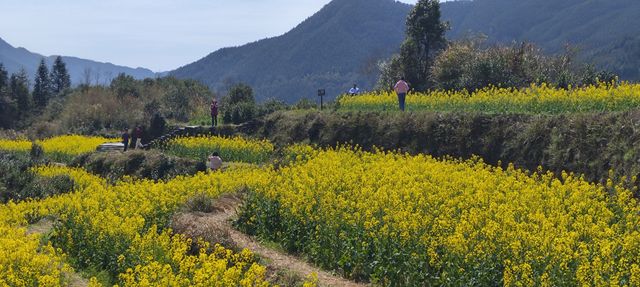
214, 113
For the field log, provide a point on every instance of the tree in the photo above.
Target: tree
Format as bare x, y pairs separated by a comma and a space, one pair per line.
4, 80
240, 93
42, 87
19, 90
425, 39
6, 110
239, 105
124, 85
60, 79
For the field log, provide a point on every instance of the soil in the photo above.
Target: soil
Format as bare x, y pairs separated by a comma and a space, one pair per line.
195, 224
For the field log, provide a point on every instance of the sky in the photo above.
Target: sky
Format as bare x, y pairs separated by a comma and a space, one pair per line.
160, 35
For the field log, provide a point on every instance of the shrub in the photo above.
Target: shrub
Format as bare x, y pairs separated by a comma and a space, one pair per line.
137, 163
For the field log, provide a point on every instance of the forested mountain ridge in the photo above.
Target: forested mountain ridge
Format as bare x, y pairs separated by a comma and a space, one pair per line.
333, 49
605, 32
80, 70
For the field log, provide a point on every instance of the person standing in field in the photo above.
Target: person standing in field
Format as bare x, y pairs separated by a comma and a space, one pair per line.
125, 139
401, 89
215, 162
354, 91
214, 113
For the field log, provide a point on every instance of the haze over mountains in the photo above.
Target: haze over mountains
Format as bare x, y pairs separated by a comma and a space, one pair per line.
342, 43
14, 59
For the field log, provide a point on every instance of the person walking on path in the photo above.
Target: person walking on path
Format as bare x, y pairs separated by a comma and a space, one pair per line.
354, 91
215, 162
214, 113
136, 138
401, 89
125, 139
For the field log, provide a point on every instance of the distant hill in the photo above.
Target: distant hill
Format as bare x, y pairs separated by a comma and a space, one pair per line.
333, 49
15, 58
605, 31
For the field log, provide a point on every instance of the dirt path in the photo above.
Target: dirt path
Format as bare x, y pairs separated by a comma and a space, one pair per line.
45, 226
216, 226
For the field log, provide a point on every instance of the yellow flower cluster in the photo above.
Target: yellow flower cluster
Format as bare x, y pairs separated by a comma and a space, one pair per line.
535, 99
414, 221
230, 149
122, 229
61, 148
72, 145
15, 145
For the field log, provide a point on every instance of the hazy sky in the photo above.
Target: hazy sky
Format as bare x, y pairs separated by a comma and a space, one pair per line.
156, 34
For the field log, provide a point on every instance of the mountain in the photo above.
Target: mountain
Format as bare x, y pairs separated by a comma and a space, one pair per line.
605, 32
338, 46
16, 58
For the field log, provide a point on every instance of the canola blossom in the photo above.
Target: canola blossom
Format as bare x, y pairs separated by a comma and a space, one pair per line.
235, 149
65, 148
60, 148
15, 145
122, 229
532, 100
416, 221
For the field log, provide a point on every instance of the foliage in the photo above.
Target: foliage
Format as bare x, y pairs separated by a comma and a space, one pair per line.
234, 149
466, 65
535, 99
239, 105
125, 86
425, 39
412, 220
599, 29
19, 90
126, 104
42, 86
60, 79
138, 164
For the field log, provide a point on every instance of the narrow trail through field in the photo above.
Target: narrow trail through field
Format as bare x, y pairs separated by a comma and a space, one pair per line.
45, 226
198, 224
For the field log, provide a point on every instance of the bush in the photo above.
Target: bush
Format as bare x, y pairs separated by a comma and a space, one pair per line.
42, 187
469, 65
137, 163
16, 175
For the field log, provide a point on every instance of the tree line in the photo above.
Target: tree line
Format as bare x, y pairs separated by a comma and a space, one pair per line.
17, 99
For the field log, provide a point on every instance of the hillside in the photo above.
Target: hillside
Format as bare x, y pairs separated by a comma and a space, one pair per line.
335, 48
16, 58
604, 31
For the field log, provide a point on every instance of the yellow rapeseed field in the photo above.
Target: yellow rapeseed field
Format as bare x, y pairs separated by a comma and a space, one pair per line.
230, 148
535, 99
60, 148
416, 221
122, 229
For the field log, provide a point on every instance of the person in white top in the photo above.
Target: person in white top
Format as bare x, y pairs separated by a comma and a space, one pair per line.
354, 91
215, 162
401, 89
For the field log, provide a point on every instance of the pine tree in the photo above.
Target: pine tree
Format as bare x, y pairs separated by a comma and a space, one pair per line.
60, 79
19, 89
5, 102
42, 87
4, 80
